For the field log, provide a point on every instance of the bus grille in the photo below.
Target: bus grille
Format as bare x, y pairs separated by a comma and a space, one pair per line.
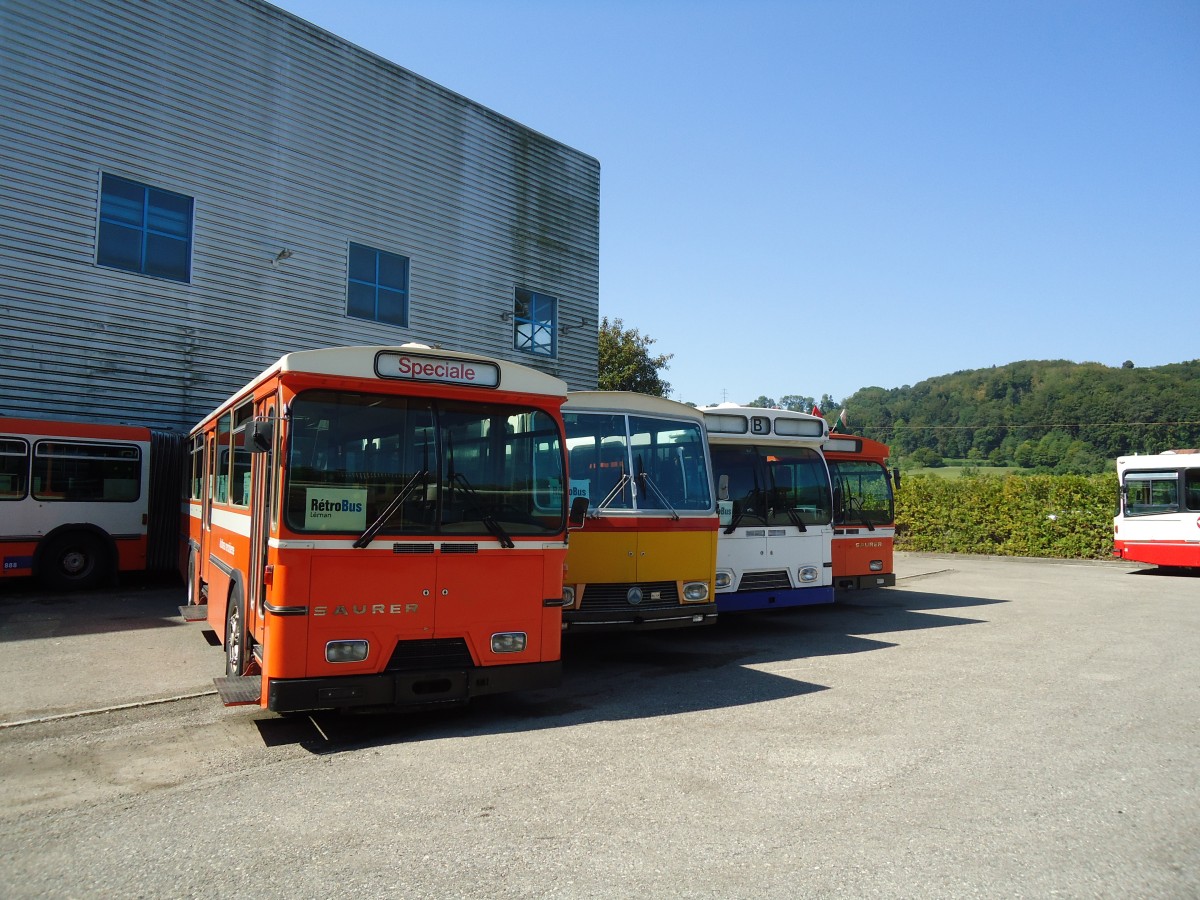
460, 548
615, 596
434, 653
765, 581
412, 548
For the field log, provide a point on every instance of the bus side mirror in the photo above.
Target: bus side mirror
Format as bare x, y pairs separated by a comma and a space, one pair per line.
723, 487
260, 435
896, 477
579, 508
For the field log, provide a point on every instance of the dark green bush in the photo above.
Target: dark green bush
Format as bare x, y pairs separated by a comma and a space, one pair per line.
1060, 516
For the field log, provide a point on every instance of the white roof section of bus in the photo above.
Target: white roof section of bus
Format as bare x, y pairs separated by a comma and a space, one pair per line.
733, 409
629, 402
359, 362
1170, 459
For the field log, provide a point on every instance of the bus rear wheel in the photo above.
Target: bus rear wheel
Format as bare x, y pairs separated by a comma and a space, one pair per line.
74, 561
235, 634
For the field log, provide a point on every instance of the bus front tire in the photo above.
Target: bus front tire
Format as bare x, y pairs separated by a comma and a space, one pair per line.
74, 561
235, 634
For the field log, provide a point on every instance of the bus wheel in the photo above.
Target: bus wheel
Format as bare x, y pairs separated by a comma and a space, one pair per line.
73, 561
235, 633
193, 586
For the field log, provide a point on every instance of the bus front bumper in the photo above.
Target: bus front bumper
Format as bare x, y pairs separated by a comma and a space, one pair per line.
581, 620
405, 690
864, 582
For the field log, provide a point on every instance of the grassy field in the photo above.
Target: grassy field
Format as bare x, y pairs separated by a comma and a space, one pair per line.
956, 468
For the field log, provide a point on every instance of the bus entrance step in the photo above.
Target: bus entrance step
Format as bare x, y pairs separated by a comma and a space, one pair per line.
236, 690
194, 613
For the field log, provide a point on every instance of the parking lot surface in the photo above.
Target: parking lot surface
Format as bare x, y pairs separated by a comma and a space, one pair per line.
987, 728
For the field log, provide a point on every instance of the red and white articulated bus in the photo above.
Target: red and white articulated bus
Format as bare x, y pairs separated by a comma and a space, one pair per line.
381, 527
864, 515
80, 502
1159, 518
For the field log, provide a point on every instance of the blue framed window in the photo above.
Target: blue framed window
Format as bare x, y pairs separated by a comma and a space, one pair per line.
144, 229
535, 323
378, 286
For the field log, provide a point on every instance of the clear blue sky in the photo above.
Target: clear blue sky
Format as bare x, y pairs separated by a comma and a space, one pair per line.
817, 196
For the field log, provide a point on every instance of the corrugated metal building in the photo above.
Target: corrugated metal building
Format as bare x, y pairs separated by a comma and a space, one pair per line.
195, 187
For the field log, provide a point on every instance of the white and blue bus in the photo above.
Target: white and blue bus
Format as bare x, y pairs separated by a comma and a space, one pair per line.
774, 543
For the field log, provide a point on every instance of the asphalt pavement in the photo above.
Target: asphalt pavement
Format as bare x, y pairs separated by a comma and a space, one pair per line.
987, 728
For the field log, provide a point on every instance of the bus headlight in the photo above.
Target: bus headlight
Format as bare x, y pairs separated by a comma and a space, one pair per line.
568, 596
509, 642
695, 591
346, 651
724, 580
808, 575
877, 565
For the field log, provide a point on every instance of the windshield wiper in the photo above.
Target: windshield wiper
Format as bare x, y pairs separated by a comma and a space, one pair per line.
377, 526
649, 482
618, 488
493, 527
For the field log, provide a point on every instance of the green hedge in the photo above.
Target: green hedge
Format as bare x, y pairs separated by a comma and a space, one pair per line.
1061, 516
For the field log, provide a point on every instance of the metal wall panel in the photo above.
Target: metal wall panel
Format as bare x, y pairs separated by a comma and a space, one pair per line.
287, 137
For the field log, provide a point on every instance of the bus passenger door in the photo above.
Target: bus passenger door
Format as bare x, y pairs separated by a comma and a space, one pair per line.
262, 474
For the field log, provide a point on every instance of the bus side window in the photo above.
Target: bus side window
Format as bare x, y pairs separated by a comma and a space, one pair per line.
14, 468
1192, 489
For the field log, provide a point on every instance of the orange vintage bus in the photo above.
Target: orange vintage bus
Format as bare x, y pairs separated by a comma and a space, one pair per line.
864, 521
80, 502
381, 527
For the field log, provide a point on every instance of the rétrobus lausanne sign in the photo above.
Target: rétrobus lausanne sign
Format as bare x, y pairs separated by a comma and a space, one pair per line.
415, 367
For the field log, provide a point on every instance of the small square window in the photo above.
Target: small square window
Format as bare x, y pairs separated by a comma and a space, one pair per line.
377, 288
144, 229
535, 323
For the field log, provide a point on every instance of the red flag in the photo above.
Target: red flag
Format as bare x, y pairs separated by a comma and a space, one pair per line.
816, 410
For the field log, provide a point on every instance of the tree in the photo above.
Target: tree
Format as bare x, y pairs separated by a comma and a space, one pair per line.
626, 363
763, 402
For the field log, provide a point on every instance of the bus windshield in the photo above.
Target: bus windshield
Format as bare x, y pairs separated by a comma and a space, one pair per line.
865, 493
410, 465
663, 458
774, 485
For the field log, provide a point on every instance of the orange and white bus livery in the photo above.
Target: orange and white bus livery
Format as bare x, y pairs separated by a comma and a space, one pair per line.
381, 527
864, 512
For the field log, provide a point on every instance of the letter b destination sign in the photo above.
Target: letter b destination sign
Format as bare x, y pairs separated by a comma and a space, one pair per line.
415, 367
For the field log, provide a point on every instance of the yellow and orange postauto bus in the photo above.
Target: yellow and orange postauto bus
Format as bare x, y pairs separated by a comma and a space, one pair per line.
380, 527
645, 556
864, 512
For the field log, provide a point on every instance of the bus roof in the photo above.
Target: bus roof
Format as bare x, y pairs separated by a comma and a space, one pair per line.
733, 421
852, 446
630, 402
1168, 459
366, 362
77, 430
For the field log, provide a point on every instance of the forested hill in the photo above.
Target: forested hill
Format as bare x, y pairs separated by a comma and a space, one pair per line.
1049, 415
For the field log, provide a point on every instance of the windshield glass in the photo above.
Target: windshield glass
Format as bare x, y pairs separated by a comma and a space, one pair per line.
609, 454
773, 485
476, 466
866, 493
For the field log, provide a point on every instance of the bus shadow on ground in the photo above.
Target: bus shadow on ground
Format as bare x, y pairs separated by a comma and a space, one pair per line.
625, 676
142, 601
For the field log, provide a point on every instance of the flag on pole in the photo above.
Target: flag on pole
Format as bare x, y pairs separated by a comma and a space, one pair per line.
816, 410
840, 424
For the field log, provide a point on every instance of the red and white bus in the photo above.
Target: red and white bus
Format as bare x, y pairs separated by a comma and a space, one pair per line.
381, 527
1159, 518
864, 512
80, 502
